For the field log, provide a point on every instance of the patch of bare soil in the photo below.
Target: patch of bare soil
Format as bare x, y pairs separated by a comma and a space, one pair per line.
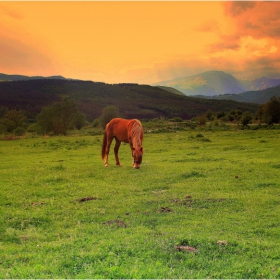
87, 199
165, 209
187, 249
115, 222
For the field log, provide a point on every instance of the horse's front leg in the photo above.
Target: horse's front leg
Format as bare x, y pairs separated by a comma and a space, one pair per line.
116, 150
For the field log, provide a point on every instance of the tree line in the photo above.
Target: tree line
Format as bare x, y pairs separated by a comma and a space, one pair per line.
63, 116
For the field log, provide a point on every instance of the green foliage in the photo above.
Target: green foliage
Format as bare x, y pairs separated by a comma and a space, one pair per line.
176, 119
12, 120
108, 113
246, 119
35, 128
270, 111
60, 117
19, 131
64, 215
95, 123
210, 115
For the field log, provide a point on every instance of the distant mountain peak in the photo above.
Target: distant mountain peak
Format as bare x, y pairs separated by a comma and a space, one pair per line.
216, 82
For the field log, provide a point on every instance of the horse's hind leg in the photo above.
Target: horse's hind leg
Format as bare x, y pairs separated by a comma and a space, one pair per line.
107, 150
116, 149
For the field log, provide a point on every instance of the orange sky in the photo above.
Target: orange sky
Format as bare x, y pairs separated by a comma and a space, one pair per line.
143, 42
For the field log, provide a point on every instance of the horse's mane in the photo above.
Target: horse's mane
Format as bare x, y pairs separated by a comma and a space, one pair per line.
136, 131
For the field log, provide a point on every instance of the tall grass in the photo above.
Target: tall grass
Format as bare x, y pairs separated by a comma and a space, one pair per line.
64, 215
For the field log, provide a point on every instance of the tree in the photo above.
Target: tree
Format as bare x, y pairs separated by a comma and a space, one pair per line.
210, 115
246, 119
13, 119
44, 119
60, 117
80, 120
108, 113
270, 111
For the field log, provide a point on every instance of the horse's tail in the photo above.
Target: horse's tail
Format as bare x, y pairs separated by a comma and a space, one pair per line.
104, 144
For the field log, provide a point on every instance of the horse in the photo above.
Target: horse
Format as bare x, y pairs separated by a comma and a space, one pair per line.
127, 131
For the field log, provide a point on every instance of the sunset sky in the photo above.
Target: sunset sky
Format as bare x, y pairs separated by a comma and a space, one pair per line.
142, 42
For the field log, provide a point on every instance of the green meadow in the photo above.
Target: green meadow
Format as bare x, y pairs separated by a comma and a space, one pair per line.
204, 204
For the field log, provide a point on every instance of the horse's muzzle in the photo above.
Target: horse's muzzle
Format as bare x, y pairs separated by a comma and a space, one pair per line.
136, 165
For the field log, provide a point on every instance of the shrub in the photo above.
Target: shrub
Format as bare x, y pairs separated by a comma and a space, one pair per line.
19, 131
109, 113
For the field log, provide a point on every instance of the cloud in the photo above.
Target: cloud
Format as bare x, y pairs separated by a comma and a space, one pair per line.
23, 56
10, 13
236, 8
227, 42
208, 26
257, 19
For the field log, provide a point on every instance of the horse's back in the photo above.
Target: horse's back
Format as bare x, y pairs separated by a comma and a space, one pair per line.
120, 128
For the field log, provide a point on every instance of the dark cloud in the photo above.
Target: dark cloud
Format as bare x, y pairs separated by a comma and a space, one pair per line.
257, 19
236, 8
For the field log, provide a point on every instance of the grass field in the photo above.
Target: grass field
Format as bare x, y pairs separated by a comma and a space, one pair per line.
203, 205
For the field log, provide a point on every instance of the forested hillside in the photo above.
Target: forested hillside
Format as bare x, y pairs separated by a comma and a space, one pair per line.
139, 101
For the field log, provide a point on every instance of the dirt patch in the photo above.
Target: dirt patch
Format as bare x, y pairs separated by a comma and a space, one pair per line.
222, 242
37, 203
87, 199
165, 209
186, 249
115, 222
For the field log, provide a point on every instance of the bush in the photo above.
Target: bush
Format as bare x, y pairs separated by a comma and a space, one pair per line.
19, 131
176, 119
35, 128
109, 113
95, 123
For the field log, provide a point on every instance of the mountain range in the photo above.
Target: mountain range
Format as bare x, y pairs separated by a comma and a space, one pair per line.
214, 83
133, 100
257, 96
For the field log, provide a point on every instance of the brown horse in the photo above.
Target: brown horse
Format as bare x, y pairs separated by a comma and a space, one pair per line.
128, 131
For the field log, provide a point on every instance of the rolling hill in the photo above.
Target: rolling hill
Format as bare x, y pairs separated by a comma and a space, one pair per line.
213, 83
134, 101
9, 78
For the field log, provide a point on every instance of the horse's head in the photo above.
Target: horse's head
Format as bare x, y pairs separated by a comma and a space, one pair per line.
137, 154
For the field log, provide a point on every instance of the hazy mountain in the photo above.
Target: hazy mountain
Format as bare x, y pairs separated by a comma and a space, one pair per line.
258, 96
259, 84
213, 83
172, 90
5, 77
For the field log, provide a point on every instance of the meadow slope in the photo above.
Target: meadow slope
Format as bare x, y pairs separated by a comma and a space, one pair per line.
64, 215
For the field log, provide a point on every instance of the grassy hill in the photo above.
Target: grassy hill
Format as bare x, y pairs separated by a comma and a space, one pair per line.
134, 101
